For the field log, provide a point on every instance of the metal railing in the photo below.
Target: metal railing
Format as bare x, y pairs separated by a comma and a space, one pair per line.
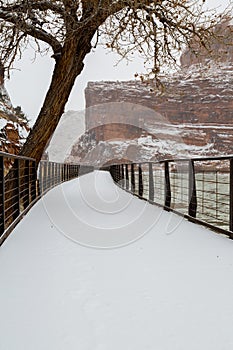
200, 189
18, 187
21, 185
52, 174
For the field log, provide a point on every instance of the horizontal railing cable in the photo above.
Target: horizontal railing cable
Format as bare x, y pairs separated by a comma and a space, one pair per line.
22, 184
200, 189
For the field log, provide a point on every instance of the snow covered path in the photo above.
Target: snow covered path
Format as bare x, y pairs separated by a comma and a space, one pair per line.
170, 289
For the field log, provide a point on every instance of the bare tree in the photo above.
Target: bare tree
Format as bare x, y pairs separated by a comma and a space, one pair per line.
69, 28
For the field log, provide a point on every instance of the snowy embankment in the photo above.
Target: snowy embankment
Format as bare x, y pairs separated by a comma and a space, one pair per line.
170, 289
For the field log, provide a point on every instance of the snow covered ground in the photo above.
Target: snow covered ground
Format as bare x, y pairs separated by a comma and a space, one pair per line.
170, 289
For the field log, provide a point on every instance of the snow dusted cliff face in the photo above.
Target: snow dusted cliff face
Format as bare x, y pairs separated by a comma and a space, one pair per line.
13, 128
127, 120
198, 94
220, 46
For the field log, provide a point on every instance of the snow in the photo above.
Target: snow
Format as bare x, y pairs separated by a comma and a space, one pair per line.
210, 70
5, 102
146, 148
3, 123
195, 78
203, 126
171, 288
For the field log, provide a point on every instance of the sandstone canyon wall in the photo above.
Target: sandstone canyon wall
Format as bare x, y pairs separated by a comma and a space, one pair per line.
194, 116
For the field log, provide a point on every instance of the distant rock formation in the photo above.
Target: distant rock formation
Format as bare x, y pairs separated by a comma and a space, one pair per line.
125, 120
13, 125
220, 46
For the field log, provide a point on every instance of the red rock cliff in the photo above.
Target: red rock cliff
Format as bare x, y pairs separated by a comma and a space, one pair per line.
194, 115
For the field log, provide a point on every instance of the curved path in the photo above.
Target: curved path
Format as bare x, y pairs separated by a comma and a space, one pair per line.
93, 268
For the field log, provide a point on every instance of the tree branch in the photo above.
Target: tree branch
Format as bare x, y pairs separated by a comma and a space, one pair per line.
31, 30
35, 5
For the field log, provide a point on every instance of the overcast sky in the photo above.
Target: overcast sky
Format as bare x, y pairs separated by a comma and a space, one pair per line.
30, 79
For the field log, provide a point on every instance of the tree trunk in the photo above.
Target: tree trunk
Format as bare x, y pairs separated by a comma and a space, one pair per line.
68, 66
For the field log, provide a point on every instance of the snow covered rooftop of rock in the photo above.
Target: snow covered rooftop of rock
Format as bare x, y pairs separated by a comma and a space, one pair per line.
218, 73
171, 288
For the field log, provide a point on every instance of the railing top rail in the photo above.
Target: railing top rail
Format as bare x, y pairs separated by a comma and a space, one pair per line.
14, 156
68, 163
197, 159
21, 190
205, 199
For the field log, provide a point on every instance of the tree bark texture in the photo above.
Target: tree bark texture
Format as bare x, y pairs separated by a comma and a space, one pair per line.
68, 66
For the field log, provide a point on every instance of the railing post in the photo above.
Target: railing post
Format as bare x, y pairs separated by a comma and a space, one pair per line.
126, 176
53, 174
16, 204
70, 172
140, 182
167, 185
34, 180
192, 191
58, 173
49, 171
118, 176
45, 176
231, 196
40, 178
38, 188
74, 170
56, 165
132, 178
119, 173
26, 191
2, 196
66, 172
151, 182
62, 173
115, 172
122, 176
